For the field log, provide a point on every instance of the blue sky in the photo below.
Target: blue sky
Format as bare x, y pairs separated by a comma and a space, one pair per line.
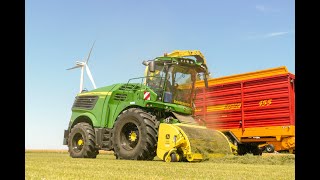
234, 36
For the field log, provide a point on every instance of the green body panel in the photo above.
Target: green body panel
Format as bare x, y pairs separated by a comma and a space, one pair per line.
80, 113
95, 114
171, 107
109, 106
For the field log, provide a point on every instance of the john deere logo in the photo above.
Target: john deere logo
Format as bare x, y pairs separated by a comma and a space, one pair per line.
167, 136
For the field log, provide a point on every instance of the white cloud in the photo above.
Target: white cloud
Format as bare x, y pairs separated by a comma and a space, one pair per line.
261, 8
276, 34
264, 9
268, 35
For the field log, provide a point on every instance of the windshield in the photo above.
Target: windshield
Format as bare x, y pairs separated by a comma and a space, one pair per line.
183, 79
173, 84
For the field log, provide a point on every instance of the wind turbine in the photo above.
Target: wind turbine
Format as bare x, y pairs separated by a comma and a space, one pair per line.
83, 65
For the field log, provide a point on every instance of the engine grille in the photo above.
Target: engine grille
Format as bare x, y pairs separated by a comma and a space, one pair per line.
128, 87
85, 102
120, 97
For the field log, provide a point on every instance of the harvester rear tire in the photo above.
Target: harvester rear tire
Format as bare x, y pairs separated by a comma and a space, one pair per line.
135, 135
81, 141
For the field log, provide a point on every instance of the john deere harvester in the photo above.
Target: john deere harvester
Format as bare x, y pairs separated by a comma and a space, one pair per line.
147, 116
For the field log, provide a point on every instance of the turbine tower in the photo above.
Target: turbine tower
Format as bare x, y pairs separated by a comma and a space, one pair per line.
83, 65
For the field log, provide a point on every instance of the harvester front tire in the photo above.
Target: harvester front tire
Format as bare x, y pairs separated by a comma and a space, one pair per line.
135, 135
81, 141
270, 148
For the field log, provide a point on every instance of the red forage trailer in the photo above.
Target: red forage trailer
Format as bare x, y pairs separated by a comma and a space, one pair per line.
257, 107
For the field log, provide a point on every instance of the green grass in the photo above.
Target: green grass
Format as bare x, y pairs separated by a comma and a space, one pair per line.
59, 165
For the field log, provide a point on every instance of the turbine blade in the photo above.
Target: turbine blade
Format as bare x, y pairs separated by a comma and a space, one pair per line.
90, 52
74, 67
90, 77
81, 79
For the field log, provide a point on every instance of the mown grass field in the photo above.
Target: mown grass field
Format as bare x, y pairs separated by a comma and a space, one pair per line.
59, 165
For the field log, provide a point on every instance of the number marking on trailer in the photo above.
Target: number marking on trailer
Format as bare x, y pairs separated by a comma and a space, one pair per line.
265, 102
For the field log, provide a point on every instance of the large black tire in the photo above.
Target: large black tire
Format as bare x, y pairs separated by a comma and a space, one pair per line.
242, 149
256, 151
81, 142
135, 135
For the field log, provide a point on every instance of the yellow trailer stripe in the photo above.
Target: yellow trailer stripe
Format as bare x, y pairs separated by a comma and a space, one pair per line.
244, 76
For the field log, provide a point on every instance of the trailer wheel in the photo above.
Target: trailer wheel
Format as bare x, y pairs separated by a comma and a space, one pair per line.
135, 135
242, 149
81, 141
256, 151
270, 148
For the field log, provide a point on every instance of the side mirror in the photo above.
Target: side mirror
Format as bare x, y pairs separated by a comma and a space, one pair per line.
145, 63
151, 66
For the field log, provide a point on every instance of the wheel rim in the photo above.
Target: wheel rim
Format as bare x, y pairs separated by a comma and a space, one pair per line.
77, 142
269, 149
129, 136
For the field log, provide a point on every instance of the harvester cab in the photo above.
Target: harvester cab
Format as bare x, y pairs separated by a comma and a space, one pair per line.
170, 79
143, 120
